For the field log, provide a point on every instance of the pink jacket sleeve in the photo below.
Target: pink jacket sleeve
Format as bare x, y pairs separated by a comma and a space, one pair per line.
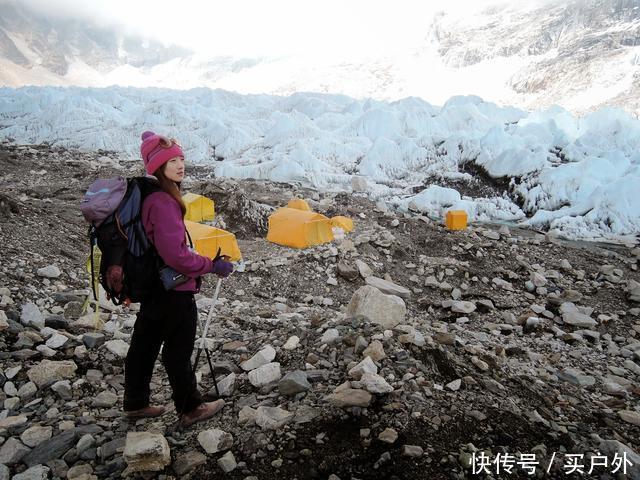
165, 228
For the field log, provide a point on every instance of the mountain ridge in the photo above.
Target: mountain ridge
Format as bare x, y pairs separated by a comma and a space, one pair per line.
582, 55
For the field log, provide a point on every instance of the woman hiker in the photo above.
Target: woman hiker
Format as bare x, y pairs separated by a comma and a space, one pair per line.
168, 317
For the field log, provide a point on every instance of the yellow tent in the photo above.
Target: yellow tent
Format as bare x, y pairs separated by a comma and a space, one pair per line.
207, 240
199, 208
298, 228
345, 223
299, 204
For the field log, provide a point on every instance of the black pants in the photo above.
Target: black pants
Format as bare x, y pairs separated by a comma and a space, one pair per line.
167, 318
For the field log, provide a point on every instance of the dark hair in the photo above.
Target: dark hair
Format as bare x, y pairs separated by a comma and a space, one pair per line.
171, 187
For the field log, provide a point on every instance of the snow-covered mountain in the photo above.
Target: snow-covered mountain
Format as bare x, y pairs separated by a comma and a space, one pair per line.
35, 49
580, 54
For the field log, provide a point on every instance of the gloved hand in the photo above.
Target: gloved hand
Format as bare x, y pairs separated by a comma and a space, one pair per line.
222, 267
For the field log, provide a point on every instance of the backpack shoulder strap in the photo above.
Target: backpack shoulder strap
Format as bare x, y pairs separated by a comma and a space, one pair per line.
147, 185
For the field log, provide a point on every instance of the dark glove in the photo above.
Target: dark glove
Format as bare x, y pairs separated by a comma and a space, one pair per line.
222, 267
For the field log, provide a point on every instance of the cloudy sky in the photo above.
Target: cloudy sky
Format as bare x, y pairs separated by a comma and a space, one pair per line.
259, 27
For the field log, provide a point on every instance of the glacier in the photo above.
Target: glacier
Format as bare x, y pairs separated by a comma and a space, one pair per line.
572, 176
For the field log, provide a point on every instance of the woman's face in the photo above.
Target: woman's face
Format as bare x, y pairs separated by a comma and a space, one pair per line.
174, 169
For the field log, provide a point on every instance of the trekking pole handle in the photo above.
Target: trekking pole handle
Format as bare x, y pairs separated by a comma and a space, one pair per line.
220, 256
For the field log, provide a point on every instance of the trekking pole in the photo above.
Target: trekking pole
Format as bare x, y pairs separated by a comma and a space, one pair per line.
202, 345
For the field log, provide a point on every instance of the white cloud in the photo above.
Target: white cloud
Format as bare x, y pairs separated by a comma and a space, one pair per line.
254, 27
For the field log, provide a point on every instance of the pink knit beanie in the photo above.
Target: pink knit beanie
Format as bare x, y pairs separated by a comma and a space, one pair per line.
157, 150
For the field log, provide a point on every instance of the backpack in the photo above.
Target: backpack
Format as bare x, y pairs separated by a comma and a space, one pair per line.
129, 262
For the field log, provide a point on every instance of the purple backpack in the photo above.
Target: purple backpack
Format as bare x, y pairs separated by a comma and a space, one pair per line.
128, 261
102, 199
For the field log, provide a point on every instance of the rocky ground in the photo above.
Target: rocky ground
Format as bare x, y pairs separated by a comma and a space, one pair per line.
402, 350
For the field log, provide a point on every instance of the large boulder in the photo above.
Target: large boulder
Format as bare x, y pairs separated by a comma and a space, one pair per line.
49, 371
146, 452
384, 310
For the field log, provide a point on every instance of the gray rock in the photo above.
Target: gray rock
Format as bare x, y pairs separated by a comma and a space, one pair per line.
38, 472
4, 321
538, 279
374, 383
294, 382
80, 472
388, 288
118, 347
272, 418
31, 316
11, 403
214, 440
347, 271
384, 310
350, 397
93, 339
57, 340
109, 449
10, 389
65, 297
459, 306
53, 448
13, 422
578, 319
146, 452
365, 366
292, 343
491, 234
612, 447
73, 310
50, 271
27, 390
455, 385
633, 291
13, 451
264, 356
246, 416
364, 269
500, 283
306, 414
265, 374
375, 350
576, 377
105, 400
63, 389
413, 451
86, 442
632, 366
388, 435
227, 462
188, 461
630, 416
330, 335
226, 386
445, 338
34, 436
5, 473
48, 372
13, 371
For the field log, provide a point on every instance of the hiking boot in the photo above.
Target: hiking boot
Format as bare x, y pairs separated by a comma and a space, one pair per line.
204, 411
145, 412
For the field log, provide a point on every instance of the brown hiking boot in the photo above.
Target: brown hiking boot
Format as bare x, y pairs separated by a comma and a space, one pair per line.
145, 412
204, 411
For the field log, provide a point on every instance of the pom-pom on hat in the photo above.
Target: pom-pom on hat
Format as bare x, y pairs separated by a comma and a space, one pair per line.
157, 150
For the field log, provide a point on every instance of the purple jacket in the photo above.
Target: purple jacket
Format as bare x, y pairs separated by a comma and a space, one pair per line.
163, 224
